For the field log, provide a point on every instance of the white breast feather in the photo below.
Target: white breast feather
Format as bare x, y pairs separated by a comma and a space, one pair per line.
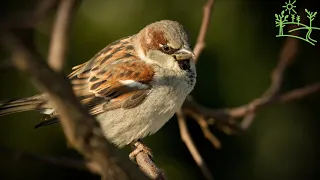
122, 126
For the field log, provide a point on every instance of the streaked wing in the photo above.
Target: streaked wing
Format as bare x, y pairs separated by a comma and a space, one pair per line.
114, 78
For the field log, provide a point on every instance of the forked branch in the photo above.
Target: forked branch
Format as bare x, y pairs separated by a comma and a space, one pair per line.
226, 118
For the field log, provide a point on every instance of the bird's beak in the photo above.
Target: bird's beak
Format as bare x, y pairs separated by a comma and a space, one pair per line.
183, 54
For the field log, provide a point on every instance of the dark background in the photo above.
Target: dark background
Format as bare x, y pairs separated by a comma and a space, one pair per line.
234, 68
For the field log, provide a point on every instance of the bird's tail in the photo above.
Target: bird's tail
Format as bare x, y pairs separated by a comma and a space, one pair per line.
21, 105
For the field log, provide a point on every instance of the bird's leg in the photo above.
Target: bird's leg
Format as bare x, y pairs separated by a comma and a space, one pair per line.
138, 147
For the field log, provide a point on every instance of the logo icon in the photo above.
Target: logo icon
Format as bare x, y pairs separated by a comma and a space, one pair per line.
291, 17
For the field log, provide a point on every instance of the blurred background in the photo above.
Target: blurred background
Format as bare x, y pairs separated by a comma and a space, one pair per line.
234, 68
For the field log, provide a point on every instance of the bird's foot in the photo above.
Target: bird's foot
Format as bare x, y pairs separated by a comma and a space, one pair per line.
139, 147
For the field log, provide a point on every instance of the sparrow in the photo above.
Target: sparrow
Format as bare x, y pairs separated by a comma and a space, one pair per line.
132, 87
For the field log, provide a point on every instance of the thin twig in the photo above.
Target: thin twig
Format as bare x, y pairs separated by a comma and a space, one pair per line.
203, 123
186, 138
271, 95
208, 134
226, 114
60, 34
207, 11
286, 57
300, 93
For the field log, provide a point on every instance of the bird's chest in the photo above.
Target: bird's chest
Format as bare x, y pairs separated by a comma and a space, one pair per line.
164, 101
122, 126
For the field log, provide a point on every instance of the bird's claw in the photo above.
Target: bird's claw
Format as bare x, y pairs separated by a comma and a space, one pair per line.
139, 147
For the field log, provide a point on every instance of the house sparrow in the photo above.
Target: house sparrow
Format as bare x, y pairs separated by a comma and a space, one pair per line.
133, 86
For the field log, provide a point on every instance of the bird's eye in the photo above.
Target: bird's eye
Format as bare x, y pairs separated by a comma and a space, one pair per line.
165, 48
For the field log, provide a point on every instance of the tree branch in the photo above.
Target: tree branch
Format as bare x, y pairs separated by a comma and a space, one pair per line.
207, 11
286, 57
149, 167
60, 34
226, 117
56, 61
186, 138
204, 125
226, 114
82, 131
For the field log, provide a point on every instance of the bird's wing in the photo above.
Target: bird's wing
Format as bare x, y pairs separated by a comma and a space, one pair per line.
114, 78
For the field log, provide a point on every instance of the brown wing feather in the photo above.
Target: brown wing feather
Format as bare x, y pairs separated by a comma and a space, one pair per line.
126, 101
134, 99
97, 82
